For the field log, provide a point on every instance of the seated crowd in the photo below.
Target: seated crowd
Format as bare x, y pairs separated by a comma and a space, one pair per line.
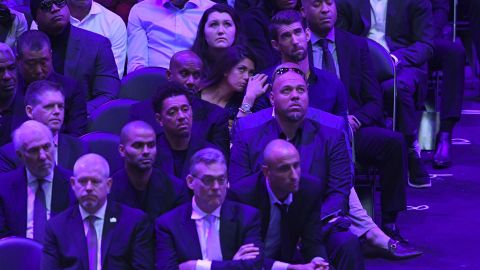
246, 157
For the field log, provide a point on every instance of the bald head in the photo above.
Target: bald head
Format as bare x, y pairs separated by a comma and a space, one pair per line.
33, 143
186, 68
91, 182
277, 149
133, 127
288, 67
6, 51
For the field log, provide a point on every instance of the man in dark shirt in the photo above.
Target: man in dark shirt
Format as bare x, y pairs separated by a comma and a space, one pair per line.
9, 105
139, 184
82, 55
34, 56
177, 143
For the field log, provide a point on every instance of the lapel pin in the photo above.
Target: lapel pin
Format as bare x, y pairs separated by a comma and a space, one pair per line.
113, 220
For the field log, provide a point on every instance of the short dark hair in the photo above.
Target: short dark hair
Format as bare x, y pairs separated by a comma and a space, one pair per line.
285, 17
228, 58
167, 90
34, 40
37, 88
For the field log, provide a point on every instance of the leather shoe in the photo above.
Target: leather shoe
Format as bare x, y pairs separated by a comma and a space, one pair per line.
396, 250
418, 175
442, 154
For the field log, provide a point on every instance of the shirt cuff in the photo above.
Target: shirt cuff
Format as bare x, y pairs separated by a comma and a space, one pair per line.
203, 265
357, 121
277, 265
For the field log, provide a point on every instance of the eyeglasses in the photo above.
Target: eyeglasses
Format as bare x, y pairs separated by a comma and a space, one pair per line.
283, 70
209, 181
46, 6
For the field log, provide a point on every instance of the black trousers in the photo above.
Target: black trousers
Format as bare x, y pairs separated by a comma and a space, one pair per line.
449, 57
386, 150
475, 25
343, 248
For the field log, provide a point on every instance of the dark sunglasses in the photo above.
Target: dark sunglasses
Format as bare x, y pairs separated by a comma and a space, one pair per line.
284, 70
46, 6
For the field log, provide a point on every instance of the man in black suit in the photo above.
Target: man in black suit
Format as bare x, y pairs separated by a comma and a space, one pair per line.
139, 184
11, 108
74, 54
97, 233
45, 103
34, 58
209, 121
35, 192
403, 28
178, 142
209, 232
282, 185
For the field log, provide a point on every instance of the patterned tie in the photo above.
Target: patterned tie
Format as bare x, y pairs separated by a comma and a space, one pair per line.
214, 251
283, 207
327, 58
39, 212
92, 243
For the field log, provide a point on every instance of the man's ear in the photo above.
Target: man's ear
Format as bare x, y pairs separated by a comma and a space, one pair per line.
265, 171
121, 150
308, 34
275, 45
189, 180
271, 98
28, 111
158, 117
168, 73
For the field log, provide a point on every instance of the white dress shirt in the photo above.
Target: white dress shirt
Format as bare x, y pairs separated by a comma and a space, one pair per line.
378, 13
102, 21
272, 239
32, 186
318, 51
157, 29
100, 214
201, 222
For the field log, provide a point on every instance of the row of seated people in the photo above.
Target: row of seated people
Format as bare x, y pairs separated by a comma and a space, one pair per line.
322, 153
208, 29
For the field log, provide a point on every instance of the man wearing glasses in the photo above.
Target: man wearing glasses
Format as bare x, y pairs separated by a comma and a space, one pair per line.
209, 232
82, 55
323, 153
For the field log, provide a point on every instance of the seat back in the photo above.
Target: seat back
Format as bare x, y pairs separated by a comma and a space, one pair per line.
106, 145
142, 84
381, 60
111, 116
20, 253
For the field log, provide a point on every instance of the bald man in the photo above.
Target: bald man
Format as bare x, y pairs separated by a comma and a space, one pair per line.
35, 191
11, 109
210, 122
97, 233
139, 184
290, 204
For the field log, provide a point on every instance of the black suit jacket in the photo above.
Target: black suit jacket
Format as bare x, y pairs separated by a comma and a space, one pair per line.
210, 122
163, 193
69, 150
89, 59
13, 199
177, 238
323, 153
127, 240
12, 117
365, 98
303, 215
409, 29
165, 160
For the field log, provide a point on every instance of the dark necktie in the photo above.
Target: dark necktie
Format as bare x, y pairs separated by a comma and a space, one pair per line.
283, 230
92, 243
327, 58
39, 212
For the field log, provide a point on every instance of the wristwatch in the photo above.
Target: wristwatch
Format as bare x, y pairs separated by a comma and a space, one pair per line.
245, 108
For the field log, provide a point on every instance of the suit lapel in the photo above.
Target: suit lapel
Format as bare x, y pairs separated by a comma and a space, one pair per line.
165, 158
188, 230
366, 16
307, 146
64, 158
60, 192
343, 56
19, 190
112, 216
77, 234
72, 55
264, 204
228, 230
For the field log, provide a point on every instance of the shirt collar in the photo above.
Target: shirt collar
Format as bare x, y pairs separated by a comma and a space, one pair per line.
55, 140
197, 213
273, 198
298, 133
31, 178
100, 214
188, 5
94, 10
330, 37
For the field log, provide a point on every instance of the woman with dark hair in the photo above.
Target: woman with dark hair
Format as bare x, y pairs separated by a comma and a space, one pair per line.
218, 29
231, 85
12, 25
